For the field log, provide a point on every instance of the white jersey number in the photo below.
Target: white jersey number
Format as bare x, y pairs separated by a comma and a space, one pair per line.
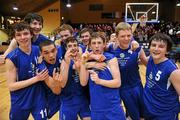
43, 113
158, 75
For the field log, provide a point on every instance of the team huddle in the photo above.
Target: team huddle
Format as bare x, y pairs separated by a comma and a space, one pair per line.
90, 79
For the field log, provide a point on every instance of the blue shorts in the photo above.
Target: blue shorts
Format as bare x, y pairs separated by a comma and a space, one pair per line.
133, 101
53, 105
39, 113
71, 111
116, 113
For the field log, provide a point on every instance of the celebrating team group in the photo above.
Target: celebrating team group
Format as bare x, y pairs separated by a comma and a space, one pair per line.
91, 79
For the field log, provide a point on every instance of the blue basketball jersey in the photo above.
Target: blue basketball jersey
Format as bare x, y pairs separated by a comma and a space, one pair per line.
128, 64
83, 47
160, 97
40, 39
73, 99
53, 100
103, 98
26, 66
73, 87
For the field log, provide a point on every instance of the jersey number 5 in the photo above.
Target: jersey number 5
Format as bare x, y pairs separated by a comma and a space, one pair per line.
158, 75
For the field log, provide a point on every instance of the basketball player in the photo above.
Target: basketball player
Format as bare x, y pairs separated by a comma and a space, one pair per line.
104, 84
162, 81
131, 90
73, 98
25, 84
52, 58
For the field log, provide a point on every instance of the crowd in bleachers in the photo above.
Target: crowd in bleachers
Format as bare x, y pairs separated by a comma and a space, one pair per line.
142, 34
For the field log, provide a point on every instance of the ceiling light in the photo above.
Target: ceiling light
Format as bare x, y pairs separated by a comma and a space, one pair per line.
178, 4
68, 4
15, 8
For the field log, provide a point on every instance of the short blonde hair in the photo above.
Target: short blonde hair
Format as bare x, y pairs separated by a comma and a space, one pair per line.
122, 26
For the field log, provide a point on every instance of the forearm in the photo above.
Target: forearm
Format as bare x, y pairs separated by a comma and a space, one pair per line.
175, 80
110, 83
90, 65
134, 26
83, 75
55, 86
64, 72
143, 57
116, 77
22, 84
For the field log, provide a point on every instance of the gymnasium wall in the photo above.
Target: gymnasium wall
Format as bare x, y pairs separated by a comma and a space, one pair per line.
80, 13
51, 15
177, 14
3, 36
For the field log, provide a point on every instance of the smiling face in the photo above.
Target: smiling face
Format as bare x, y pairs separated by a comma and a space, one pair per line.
158, 50
49, 53
160, 45
36, 27
124, 38
85, 38
23, 37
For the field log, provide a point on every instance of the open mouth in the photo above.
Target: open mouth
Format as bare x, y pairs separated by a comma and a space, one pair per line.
97, 51
52, 60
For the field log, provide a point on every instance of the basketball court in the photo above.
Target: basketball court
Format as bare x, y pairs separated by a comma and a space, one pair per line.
142, 13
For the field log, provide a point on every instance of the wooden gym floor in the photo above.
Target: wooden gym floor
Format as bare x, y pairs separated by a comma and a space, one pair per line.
5, 100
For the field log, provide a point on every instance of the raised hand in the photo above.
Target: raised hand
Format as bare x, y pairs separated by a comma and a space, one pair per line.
99, 57
56, 75
41, 76
77, 64
40, 59
85, 56
67, 56
100, 66
94, 76
134, 45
